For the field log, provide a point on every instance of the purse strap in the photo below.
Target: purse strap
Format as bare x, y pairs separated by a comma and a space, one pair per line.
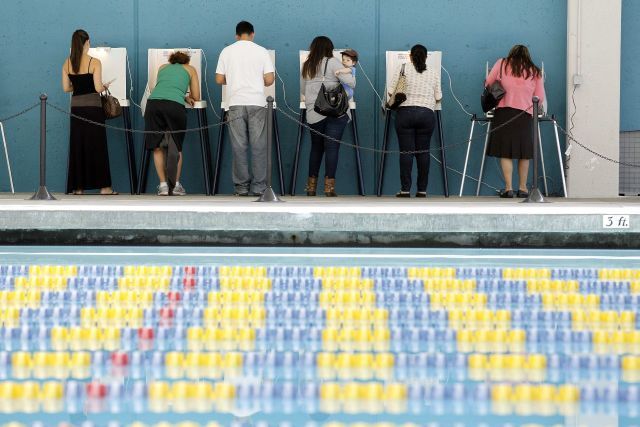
501, 65
326, 64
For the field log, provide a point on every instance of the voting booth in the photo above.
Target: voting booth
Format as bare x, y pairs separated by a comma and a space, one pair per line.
114, 71
488, 119
337, 53
224, 107
156, 59
394, 59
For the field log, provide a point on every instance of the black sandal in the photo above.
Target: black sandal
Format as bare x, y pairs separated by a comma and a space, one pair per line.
506, 194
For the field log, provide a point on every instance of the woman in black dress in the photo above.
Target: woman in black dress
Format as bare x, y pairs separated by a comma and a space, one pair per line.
88, 154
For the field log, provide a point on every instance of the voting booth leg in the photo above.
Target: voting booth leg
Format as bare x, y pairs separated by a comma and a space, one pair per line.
383, 157
296, 160
278, 152
6, 155
564, 180
144, 167
204, 148
466, 158
443, 156
356, 142
544, 172
131, 154
207, 146
484, 157
216, 166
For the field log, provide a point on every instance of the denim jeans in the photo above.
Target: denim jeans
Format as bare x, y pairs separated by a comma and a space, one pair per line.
414, 126
248, 129
333, 127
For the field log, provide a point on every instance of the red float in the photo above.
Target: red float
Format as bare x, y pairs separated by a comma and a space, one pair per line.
189, 282
145, 333
119, 358
96, 390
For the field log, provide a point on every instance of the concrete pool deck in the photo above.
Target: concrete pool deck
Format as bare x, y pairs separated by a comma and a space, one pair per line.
318, 221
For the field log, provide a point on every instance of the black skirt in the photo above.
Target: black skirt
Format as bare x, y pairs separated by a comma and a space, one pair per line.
163, 115
513, 140
88, 152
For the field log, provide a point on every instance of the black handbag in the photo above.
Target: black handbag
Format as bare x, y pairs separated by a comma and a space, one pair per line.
492, 94
331, 102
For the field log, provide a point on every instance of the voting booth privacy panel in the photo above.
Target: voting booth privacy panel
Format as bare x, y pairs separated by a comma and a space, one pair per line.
114, 70
159, 57
394, 60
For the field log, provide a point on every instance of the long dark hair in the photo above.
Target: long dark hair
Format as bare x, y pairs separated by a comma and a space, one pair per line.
419, 57
78, 40
519, 60
321, 47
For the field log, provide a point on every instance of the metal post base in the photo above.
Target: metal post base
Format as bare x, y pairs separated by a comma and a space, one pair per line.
42, 194
535, 196
269, 196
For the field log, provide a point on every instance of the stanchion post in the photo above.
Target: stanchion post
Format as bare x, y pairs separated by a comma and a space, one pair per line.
43, 193
535, 196
269, 195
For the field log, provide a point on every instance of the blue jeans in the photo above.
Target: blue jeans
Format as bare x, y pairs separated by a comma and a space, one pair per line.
333, 127
414, 126
248, 129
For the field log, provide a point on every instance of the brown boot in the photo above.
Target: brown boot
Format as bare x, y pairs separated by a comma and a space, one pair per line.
312, 184
330, 187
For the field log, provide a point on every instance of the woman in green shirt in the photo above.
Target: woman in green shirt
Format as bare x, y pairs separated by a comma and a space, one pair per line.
166, 111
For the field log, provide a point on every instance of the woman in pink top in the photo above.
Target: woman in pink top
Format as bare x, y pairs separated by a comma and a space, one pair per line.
513, 117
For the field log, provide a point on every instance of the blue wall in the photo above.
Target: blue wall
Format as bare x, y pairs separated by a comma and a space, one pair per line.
469, 32
630, 67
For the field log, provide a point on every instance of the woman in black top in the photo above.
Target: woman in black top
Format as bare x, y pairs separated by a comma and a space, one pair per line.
88, 154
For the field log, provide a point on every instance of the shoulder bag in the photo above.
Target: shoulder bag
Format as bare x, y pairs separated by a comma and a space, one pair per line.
399, 94
110, 105
492, 94
331, 102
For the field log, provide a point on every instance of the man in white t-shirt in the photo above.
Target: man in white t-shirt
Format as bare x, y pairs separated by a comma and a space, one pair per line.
246, 68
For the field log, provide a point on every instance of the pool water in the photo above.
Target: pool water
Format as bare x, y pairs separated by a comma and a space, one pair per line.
322, 337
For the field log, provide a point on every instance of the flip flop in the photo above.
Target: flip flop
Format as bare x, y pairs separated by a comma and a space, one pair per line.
113, 193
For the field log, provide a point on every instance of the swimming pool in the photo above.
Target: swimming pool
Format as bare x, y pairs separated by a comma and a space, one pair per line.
318, 337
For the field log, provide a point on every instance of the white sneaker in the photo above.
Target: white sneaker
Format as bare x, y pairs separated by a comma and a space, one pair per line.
163, 190
179, 190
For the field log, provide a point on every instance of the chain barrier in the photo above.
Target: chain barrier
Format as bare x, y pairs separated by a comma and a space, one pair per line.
150, 132
25, 111
473, 178
595, 153
376, 150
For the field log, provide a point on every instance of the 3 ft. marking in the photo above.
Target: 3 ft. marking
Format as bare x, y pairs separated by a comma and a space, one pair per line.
615, 221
